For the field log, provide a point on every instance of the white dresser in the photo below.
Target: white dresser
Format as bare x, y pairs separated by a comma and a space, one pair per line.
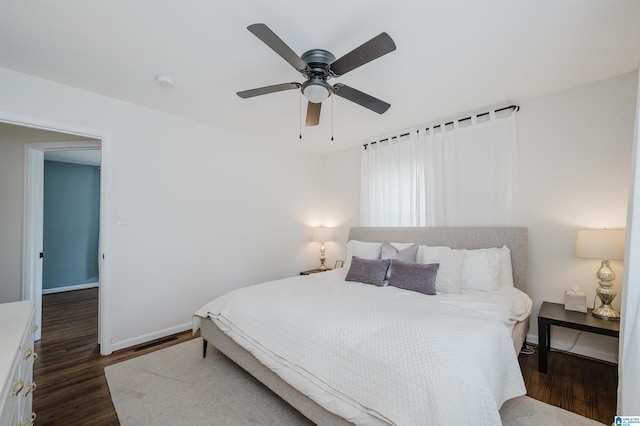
16, 363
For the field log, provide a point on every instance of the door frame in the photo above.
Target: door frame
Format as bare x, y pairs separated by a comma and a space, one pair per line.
33, 202
32, 263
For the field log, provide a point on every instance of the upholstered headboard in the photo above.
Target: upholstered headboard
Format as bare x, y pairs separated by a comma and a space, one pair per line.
516, 238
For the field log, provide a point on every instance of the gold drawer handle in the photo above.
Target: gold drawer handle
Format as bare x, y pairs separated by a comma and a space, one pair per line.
29, 422
30, 353
34, 328
30, 389
17, 387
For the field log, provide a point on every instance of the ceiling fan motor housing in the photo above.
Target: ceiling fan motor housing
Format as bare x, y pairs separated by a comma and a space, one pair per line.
318, 60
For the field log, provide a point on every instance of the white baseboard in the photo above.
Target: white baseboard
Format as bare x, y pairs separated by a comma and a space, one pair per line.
116, 346
69, 288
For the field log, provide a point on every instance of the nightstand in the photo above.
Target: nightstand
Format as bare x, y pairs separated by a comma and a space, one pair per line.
314, 271
555, 314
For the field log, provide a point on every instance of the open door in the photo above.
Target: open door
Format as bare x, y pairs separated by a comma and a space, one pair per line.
32, 246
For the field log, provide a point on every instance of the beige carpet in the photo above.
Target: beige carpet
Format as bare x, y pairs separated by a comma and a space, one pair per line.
176, 386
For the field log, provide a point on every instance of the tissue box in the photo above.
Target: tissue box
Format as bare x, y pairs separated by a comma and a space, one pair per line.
575, 301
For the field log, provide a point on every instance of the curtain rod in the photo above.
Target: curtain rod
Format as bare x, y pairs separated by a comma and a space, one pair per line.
514, 107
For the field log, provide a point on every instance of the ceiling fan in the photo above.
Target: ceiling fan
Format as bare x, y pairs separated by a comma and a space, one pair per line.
318, 66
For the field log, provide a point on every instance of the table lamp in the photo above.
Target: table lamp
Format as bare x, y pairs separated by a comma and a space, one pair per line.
322, 235
606, 245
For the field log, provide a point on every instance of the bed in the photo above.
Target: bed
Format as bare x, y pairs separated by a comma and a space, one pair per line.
353, 378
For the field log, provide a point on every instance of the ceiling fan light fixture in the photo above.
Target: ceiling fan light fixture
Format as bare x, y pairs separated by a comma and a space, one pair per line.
316, 90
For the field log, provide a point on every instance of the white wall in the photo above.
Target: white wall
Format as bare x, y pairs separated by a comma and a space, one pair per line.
574, 150
206, 210
341, 200
574, 172
11, 194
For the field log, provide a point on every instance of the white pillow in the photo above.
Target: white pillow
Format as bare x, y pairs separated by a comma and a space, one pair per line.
449, 276
505, 277
362, 250
481, 269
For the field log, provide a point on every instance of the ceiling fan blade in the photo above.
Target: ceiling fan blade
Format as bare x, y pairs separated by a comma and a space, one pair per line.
270, 38
367, 52
313, 114
268, 89
361, 98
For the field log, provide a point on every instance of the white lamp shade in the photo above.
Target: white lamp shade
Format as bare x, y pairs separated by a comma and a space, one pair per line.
322, 234
600, 244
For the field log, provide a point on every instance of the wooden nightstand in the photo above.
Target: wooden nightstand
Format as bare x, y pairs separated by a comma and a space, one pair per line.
314, 271
555, 314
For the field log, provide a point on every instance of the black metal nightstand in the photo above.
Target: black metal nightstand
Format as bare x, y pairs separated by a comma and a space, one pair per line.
555, 314
314, 271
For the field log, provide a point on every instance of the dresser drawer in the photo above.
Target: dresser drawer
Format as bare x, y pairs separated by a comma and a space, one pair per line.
10, 409
16, 363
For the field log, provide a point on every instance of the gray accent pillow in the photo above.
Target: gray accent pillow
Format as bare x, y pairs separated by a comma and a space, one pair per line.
407, 254
414, 276
368, 271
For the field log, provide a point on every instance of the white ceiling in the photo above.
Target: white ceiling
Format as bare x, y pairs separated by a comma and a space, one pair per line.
452, 57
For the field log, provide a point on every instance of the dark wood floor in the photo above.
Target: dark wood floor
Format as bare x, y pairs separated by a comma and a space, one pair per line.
72, 388
69, 371
584, 386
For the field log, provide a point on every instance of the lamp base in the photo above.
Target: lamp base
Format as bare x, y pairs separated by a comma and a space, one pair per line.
322, 267
606, 312
322, 258
606, 293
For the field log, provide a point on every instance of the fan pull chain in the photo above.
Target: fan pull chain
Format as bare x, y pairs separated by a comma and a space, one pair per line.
300, 114
332, 118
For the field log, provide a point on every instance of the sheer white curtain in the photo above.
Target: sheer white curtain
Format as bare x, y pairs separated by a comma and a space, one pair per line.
459, 174
470, 170
391, 182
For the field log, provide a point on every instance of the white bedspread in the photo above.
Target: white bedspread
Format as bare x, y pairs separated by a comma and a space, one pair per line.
377, 355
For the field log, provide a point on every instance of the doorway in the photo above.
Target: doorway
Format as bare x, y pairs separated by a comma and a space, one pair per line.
71, 220
33, 248
32, 234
